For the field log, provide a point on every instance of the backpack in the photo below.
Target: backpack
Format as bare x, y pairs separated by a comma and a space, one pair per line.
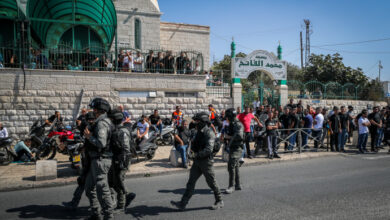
115, 144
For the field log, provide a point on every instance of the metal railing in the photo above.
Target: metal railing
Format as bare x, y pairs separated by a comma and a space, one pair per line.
64, 57
284, 137
318, 90
217, 87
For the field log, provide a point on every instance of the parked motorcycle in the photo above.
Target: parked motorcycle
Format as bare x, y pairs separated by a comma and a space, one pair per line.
37, 133
47, 143
74, 148
7, 155
146, 148
166, 136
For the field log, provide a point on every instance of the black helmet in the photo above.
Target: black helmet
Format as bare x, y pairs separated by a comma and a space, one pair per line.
100, 104
202, 116
116, 115
90, 116
230, 113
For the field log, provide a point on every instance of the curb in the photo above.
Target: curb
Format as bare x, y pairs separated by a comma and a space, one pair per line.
73, 180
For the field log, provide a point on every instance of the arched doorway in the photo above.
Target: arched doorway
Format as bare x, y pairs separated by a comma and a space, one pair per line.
270, 90
260, 86
84, 37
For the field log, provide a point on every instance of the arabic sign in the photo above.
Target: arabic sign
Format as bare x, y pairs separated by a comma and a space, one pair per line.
260, 60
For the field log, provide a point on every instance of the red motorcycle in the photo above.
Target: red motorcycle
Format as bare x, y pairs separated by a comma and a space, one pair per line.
56, 140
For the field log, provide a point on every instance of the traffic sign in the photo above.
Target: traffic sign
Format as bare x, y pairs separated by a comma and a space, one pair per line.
388, 95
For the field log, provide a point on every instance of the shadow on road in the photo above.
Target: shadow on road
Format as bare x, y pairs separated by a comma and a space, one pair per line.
50, 212
144, 211
181, 191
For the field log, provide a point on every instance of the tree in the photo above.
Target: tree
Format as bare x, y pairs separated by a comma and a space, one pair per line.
294, 72
330, 68
222, 69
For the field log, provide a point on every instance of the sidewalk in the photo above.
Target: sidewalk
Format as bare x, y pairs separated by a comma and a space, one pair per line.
18, 176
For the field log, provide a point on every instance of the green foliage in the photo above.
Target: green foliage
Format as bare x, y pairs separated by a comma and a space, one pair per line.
223, 67
294, 72
326, 68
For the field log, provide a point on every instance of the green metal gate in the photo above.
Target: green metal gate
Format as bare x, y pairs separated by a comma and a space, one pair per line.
265, 93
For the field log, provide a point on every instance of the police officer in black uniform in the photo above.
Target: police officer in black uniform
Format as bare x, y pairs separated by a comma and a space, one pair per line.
85, 161
202, 147
120, 145
96, 186
236, 144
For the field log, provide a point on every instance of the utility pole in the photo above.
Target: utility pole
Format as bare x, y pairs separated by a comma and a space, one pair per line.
307, 45
380, 67
301, 51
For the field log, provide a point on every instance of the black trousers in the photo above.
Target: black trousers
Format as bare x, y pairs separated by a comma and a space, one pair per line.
374, 138
334, 141
247, 140
21, 153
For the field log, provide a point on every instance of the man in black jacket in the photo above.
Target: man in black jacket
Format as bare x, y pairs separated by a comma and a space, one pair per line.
202, 147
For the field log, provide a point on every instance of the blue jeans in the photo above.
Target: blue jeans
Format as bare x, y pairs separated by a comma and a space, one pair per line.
292, 141
362, 141
183, 153
305, 137
380, 137
343, 136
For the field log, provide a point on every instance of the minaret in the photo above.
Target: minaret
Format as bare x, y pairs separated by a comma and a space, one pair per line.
233, 49
279, 52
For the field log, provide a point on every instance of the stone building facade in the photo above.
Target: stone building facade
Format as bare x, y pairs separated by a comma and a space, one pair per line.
155, 34
178, 37
67, 91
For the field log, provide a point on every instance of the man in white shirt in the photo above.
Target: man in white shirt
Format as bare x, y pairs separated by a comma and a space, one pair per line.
364, 123
128, 62
256, 104
318, 127
138, 62
3, 131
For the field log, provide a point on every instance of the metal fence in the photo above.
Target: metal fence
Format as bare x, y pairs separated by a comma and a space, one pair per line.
217, 87
318, 90
95, 58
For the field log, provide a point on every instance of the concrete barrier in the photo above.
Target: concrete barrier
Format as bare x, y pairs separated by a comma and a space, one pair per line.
46, 170
175, 158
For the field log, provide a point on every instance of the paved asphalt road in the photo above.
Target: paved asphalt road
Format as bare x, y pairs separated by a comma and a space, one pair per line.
339, 187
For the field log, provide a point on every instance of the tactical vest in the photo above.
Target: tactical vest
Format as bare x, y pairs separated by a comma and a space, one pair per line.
106, 152
117, 147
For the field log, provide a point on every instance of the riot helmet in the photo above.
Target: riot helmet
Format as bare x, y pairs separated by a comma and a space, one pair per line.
116, 116
100, 104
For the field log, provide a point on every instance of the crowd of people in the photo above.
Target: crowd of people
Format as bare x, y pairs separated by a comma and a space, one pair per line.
336, 124
106, 157
128, 61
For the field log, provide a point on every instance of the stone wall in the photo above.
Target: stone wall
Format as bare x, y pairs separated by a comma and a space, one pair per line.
330, 103
46, 91
147, 13
178, 37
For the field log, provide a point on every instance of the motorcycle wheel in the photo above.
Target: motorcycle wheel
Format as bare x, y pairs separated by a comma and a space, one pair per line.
159, 141
8, 159
167, 139
150, 154
47, 154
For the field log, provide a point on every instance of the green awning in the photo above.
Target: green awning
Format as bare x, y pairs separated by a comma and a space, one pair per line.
51, 18
9, 10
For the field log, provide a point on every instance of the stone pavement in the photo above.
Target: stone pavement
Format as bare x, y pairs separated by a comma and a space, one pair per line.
17, 176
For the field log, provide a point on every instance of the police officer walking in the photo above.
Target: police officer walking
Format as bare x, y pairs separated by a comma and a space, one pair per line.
236, 144
96, 186
202, 147
120, 145
85, 160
